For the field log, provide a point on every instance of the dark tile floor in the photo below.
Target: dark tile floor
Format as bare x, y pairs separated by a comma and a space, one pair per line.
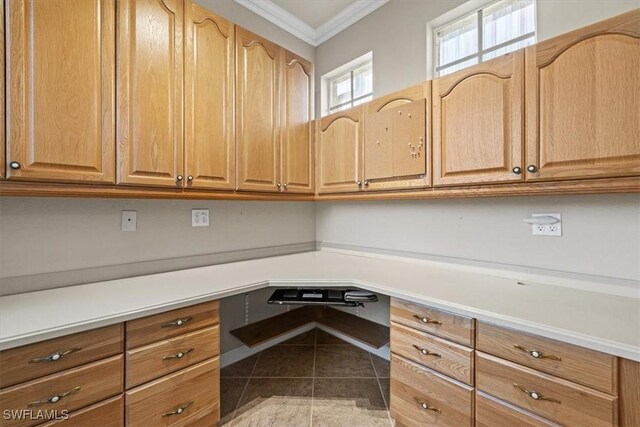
314, 379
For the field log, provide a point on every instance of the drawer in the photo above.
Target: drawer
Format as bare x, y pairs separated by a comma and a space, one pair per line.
572, 404
110, 412
491, 412
70, 390
187, 397
583, 366
436, 353
413, 388
161, 358
171, 323
437, 322
31, 361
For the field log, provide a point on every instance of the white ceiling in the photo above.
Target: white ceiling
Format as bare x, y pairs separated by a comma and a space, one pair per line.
313, 21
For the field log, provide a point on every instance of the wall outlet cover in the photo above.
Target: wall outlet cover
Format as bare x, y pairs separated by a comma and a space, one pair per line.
547, 229
129, 220
199, 217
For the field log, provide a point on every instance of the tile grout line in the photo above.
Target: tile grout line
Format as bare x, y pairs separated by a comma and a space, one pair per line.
313, 375
384, 399
244, 390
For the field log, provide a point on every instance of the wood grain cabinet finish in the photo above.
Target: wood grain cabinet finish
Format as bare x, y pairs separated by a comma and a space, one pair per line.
339, 144
47, 357
188, 397
491, 412
60, 90
451, 359
580, 365
171, 323
3, 163
150, 92
297, 148
420, 397
109, 412
68, 390
477, 123
209, 100
396, 143
441, 323
257, 112
583, 102
164, 357
552, 398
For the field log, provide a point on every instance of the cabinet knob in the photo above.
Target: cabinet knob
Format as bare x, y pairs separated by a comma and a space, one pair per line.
532, 168
15, 165
285, 186
359, 183
366, 183
517, 170
190, 178
179, 178
279, 185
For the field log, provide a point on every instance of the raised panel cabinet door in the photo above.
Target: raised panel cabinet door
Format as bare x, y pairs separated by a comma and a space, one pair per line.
410, 153
583, 102
378, 145
297, 167
60, 90
209, 100
257, 112
2, 95
477, 123
150, 69
339, 145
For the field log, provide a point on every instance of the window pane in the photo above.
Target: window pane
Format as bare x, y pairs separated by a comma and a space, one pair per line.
457, 67
363, 100
457, 40
362, 80
343, 107
509, 48
340, 90
507, 20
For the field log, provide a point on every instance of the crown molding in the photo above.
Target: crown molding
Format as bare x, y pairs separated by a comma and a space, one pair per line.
314, 36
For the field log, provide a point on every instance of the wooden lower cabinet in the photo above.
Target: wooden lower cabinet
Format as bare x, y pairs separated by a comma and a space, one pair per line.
187, 397
491, 412
110, 413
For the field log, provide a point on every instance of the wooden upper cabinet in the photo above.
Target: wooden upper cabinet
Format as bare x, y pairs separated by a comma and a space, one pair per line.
396, 143
583, 102
2, 96
60, 90
296, 159
150, 71
477, 123
339, 145
209, 100
257, 112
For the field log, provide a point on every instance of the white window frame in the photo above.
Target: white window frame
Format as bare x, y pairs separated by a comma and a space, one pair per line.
341, 71
461, 12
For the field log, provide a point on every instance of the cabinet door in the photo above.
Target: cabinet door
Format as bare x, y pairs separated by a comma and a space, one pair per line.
297, 134
378, 145
257, 112
409, 145
583, 102
2, 85
339, 144
150, 64
60, 90
477, 123
209, 122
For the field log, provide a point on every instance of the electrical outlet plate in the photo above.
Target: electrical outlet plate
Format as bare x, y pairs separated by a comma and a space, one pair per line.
199, 217
129, 220
547, 229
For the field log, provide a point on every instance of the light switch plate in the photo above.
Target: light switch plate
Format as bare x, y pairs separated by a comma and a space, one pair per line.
199, 217
547, 229
129, 220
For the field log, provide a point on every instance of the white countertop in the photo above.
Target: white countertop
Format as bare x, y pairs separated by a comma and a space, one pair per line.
556, 308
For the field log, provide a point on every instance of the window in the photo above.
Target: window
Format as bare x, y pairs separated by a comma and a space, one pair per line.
349, 85
494, 30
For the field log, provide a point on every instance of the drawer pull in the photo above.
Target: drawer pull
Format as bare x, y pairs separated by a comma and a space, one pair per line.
54, 399
427, 320
535, 395
426, 352
179, 410
177, 322
55, 356
427, 407
178, 355
538, 355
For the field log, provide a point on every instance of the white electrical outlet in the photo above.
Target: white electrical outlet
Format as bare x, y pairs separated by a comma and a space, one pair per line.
129, 220
199, 217
554, 229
